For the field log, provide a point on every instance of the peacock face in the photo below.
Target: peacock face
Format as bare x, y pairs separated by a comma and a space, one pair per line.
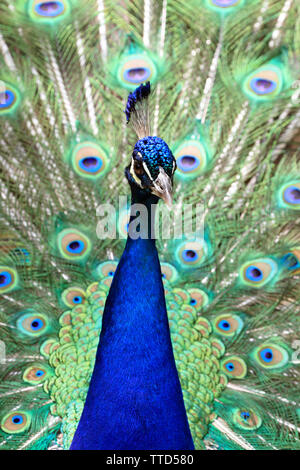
152, 167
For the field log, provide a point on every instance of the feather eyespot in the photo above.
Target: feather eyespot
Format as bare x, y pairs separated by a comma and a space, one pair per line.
291, 261
191, 254
289, 196
73, 245
292, 195
191, 159
225, 3
73, 296
169, 272
8, 279
35, 374
9, 98
48, 11
264, 84
270, 356
90, 160
135, 69
107, 268
33, 324
137, 74
223, 6
246, 419
234, 367
49, 8
258, 272
16, 422
199, 298
227, 325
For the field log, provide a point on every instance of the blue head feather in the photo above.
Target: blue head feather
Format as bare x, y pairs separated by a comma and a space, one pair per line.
155, 153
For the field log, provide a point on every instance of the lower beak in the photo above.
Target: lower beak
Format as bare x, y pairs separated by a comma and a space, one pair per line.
162, 187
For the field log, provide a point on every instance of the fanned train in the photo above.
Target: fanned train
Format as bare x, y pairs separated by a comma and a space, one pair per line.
225, 94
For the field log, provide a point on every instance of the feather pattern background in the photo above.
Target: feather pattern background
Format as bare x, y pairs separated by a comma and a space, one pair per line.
226, 99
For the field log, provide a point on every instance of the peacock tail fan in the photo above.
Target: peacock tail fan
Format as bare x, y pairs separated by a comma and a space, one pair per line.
225, 95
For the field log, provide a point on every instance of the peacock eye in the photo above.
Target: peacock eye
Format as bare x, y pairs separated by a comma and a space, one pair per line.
246, 419
16, 422
234, 367
224, 3
265, 83
8, 279
42, 10
134, 69
33, 324
89, 160
270, 356
138, 167
73, 245
9, 98
73, 296
49, 8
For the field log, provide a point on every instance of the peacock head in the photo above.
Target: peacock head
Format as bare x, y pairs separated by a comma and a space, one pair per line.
152, 163
152, 168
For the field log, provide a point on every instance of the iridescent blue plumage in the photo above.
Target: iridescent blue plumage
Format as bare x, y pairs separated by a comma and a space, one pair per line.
155, 153
135, 399
140, 93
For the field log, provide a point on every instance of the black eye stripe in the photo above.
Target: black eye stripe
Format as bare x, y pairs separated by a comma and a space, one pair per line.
145, 179
138, 168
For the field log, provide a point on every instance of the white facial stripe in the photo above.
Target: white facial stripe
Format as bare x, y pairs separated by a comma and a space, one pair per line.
136, 179
147, 171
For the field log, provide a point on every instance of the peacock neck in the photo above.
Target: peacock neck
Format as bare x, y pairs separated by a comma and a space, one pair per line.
142, 217
135, 399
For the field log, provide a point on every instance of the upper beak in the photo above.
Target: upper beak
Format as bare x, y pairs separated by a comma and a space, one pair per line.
162, 187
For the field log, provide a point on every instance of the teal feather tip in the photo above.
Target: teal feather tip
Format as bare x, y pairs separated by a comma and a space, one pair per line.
288, 195
259, 272
33, 324
270, 356
224, 7
89, 160
267, 82
10, 98
192, 158
48, 12
16, 422
9, 279
134, 67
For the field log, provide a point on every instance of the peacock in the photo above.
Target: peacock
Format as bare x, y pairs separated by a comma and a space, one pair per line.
119, 331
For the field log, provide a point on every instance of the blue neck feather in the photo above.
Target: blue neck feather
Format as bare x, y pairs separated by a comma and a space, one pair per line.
135, 399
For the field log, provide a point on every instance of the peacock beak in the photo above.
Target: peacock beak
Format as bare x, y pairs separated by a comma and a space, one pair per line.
162, 187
